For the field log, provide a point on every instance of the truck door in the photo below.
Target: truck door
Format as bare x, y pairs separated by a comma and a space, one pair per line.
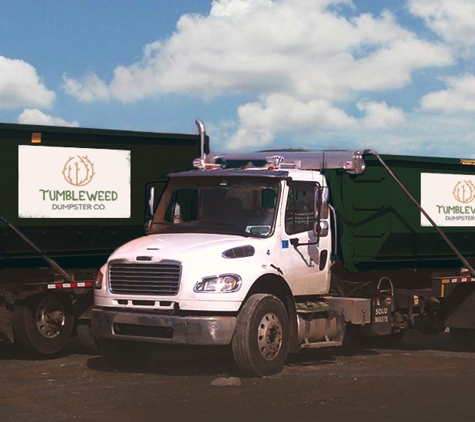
304, 255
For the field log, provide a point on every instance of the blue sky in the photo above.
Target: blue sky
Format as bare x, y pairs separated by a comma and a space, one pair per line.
394, 75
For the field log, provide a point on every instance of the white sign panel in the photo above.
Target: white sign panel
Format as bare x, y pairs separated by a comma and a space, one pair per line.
59, 182
449, 199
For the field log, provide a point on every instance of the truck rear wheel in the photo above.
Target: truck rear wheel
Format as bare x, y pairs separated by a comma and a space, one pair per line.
43, 323
261, 338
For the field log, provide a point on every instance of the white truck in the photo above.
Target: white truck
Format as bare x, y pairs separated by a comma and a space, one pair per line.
272, 252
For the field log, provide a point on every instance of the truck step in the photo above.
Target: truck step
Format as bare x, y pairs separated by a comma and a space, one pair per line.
320, 344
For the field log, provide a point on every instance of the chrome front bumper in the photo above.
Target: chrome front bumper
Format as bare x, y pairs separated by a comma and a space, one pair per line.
165, 329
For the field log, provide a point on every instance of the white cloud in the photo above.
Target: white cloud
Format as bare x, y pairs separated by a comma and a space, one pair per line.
458, 98
298, 47
234, 9
91, 89
285, 113
37, 117
20, 86
452, 20
260, 121
299, 63
380, 115
249, 138
447, 135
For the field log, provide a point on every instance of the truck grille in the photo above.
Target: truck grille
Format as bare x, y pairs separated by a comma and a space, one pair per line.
162, 279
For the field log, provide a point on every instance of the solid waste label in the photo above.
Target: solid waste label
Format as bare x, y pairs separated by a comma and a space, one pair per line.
449, 199
61, 182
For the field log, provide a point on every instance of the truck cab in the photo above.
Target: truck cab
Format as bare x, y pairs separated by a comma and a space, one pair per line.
238, 256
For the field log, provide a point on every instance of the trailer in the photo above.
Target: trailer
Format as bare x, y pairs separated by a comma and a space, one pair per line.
275, 251
70, 197
408, 222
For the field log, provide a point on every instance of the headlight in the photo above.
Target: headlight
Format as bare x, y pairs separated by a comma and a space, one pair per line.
224, 283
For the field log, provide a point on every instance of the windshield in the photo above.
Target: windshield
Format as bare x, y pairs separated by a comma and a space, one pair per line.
226, 205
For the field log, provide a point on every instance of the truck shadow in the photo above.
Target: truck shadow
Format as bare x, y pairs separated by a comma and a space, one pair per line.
327, 356
218, 361
14, 352
175, 361
414, 341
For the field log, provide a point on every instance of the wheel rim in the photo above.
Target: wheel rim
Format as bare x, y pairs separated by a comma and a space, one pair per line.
269, 336
50, 317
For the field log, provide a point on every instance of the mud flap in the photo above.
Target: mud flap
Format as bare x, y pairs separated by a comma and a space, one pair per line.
381, 323
381, 311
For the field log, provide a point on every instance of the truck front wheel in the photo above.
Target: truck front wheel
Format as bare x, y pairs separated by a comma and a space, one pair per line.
43, 323
261, 337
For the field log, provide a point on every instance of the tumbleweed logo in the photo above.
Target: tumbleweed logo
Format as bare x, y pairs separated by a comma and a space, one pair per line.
78, 170
464, 191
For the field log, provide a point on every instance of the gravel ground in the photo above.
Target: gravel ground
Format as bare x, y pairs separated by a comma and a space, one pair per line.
421, 379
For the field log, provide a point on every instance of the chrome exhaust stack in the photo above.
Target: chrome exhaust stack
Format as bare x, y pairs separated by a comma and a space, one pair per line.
200, 163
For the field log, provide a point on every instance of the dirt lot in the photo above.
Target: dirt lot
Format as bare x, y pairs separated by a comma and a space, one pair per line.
421, 379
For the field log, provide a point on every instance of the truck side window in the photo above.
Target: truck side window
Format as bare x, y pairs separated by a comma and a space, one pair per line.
299, 212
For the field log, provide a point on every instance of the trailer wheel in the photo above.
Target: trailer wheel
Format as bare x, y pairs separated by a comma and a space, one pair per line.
125, 354
261, 338
43, 323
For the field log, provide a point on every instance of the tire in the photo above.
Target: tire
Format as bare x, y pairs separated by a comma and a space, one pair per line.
43, 323
261, 339
125, 354
87, 338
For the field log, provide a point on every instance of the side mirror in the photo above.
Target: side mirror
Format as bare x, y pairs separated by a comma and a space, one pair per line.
153, 191
149, 210
321, 229
151, 200
177, 214
324, 208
